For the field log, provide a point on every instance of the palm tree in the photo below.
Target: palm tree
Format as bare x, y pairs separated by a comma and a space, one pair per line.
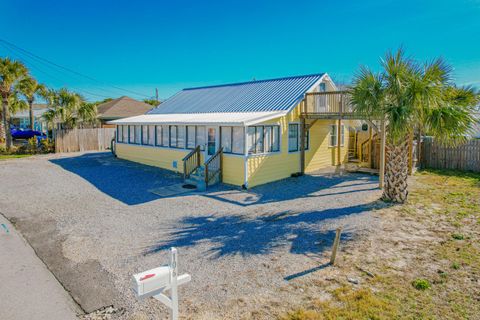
11, 72
411, 97
68, 109
30, 89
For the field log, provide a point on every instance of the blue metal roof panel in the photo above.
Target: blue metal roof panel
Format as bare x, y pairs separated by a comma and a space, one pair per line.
255, 96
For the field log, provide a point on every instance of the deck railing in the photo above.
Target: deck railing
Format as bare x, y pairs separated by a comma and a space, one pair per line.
214, 166
191, 162
333, 103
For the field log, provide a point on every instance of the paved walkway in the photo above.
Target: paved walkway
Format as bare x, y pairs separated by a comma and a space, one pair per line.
27, 288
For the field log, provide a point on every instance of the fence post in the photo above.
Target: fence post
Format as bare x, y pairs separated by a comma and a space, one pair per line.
336, 244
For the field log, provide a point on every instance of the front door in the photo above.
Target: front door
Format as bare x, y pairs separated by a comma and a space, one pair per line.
212, 142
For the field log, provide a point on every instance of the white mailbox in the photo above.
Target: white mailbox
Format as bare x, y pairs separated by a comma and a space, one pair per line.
148, 283
154, 282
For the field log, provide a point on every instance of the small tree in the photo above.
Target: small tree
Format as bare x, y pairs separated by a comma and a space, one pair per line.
11, 72
411, 96
30, 89
68, 109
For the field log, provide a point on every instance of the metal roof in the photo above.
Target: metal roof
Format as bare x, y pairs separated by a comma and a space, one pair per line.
218, 118
255, 96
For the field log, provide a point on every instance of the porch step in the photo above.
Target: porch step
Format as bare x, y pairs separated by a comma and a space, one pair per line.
356, 167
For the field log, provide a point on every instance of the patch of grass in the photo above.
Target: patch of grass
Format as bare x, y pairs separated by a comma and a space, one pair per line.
349, 304
13, 156
455, 265
457, 236
421, 284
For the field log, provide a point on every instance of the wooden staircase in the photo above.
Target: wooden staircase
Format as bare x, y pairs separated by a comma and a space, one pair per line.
203, 176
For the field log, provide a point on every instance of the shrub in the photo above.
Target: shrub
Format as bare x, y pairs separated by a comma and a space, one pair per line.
421, 284
457, 236
455, 265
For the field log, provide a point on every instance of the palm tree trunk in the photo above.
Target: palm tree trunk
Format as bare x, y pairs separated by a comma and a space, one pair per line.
2, 128
396, 172
30, 109
6, 123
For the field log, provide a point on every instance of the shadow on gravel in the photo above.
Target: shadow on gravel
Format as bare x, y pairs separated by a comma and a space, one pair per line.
307, 186
231, 235
126, 181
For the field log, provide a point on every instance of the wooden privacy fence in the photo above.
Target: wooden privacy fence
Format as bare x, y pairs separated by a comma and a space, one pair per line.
72, 140
465, 157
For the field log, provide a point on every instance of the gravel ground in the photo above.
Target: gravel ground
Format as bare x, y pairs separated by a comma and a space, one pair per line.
253, 254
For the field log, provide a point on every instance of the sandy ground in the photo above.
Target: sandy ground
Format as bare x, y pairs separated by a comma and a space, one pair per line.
94, 222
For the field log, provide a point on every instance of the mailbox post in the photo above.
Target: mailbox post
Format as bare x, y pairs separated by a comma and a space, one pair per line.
154, 282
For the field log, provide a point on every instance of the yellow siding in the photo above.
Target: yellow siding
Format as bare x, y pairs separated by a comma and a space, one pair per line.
152, 156
271, 167
233, 170
163, 158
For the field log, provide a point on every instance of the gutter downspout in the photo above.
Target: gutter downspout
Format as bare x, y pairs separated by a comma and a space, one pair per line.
245, 159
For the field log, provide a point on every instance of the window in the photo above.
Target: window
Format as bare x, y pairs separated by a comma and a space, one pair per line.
151, 135
144, 134
158, 133
165, 136
201, 137
263, 139
173, 136
119, 133
333, 135
226, 139
181, 137
125, 134
191, 137
238, 141
131, 134
294, 137
138, 134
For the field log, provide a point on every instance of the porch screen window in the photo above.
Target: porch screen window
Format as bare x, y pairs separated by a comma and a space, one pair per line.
226, 139
251, 139
294, 137
333, 135
238, 141
191, 137
119, 133
144, 134
131, 134
181, 137
165, 136
263, 139
151, 135
173, 136
158, 133
138, 134
201, 137
125, 134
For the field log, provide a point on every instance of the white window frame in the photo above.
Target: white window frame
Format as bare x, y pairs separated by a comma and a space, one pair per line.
255, 152
334, 127
307, 137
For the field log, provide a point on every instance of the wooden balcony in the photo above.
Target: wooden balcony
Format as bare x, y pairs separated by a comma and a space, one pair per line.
329, 105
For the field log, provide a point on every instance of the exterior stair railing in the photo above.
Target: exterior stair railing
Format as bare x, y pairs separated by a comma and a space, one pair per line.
214, 167
191, 162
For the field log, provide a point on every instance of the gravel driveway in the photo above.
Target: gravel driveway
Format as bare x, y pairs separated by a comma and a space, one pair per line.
94, 222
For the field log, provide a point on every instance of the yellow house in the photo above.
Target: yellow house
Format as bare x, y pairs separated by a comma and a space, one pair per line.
244, 134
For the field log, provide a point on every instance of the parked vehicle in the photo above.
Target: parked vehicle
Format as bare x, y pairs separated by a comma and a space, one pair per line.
19, 133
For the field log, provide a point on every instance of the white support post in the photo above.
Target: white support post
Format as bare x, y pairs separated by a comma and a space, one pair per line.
173, 281
381, 172
154, 282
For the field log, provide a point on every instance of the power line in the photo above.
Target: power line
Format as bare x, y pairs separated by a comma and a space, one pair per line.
68, 69
29, 60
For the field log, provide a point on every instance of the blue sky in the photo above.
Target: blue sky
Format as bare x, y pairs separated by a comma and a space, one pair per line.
169, 45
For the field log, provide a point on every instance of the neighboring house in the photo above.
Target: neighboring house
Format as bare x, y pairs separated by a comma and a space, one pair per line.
119, 108
258, 125
21, 119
